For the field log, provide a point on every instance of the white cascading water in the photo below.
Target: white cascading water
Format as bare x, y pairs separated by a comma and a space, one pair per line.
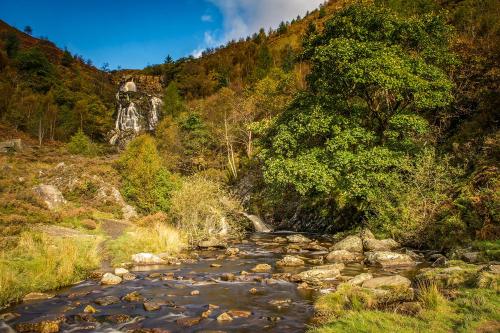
156, 105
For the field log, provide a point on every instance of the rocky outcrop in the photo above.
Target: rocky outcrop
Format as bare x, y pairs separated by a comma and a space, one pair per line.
139, 108
51, 195
11, 145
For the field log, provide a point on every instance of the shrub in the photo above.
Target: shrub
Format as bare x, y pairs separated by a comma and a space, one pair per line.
40, 262
159, 238
146, 182
202, 208
80, 144
417, 209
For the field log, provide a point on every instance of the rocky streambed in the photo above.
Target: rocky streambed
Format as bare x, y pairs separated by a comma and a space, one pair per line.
265, 283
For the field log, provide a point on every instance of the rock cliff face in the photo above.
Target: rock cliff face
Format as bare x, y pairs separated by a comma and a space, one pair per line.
139, 107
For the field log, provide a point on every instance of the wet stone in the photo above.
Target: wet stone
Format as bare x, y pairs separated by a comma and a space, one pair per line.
118, 318
42, 325
89, 309
298, 238
261, 268
86, 317
239, 313
224, 317
134, 296
188, 321
151, 306
107, 300
128, 277
36, 296
9, 316
290, 261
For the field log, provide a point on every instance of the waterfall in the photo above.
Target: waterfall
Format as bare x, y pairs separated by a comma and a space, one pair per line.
258, 224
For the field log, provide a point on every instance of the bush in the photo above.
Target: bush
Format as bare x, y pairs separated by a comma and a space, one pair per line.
146, 182
417, 209
159, 238
80, 144
213, 212
40, 263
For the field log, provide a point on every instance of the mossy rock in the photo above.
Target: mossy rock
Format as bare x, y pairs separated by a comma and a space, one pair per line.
456, 274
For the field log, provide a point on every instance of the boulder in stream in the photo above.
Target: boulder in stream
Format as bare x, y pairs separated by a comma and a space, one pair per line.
110, 279
318, 274
262, 268
371, 244
350, 243
298, 238
147, 259
290, 261
389, 259
343, 256
394, 281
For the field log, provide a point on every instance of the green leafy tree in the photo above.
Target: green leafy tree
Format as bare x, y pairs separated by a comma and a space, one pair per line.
172, 101
81, 144
146, 182
358, 127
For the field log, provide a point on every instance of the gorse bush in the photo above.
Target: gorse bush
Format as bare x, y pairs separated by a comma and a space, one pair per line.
146, 182
202, 208
82, 145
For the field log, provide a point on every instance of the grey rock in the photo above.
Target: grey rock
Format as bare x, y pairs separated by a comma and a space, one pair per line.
290, 261
359, 279
319, 274
298, 238
380, 245
395, 281
147, 259
51, 195
110, 279
389, 259
350, 243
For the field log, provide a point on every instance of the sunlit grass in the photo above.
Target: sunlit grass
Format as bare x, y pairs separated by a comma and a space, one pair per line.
40, 263
159, 238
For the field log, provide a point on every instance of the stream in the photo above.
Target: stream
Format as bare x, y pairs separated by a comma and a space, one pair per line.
190, 297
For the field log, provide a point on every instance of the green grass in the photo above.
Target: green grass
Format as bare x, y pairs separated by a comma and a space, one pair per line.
159, 238
474, 310
490, 249
41, 263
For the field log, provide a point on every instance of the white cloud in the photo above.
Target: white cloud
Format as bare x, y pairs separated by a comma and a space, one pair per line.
242, 18
207, 18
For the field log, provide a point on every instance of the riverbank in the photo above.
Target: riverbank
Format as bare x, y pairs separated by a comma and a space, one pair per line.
276, 282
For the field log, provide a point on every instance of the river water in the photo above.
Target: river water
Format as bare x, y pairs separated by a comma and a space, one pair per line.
185, 292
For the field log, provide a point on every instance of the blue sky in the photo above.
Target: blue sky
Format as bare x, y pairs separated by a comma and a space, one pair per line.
133, 34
